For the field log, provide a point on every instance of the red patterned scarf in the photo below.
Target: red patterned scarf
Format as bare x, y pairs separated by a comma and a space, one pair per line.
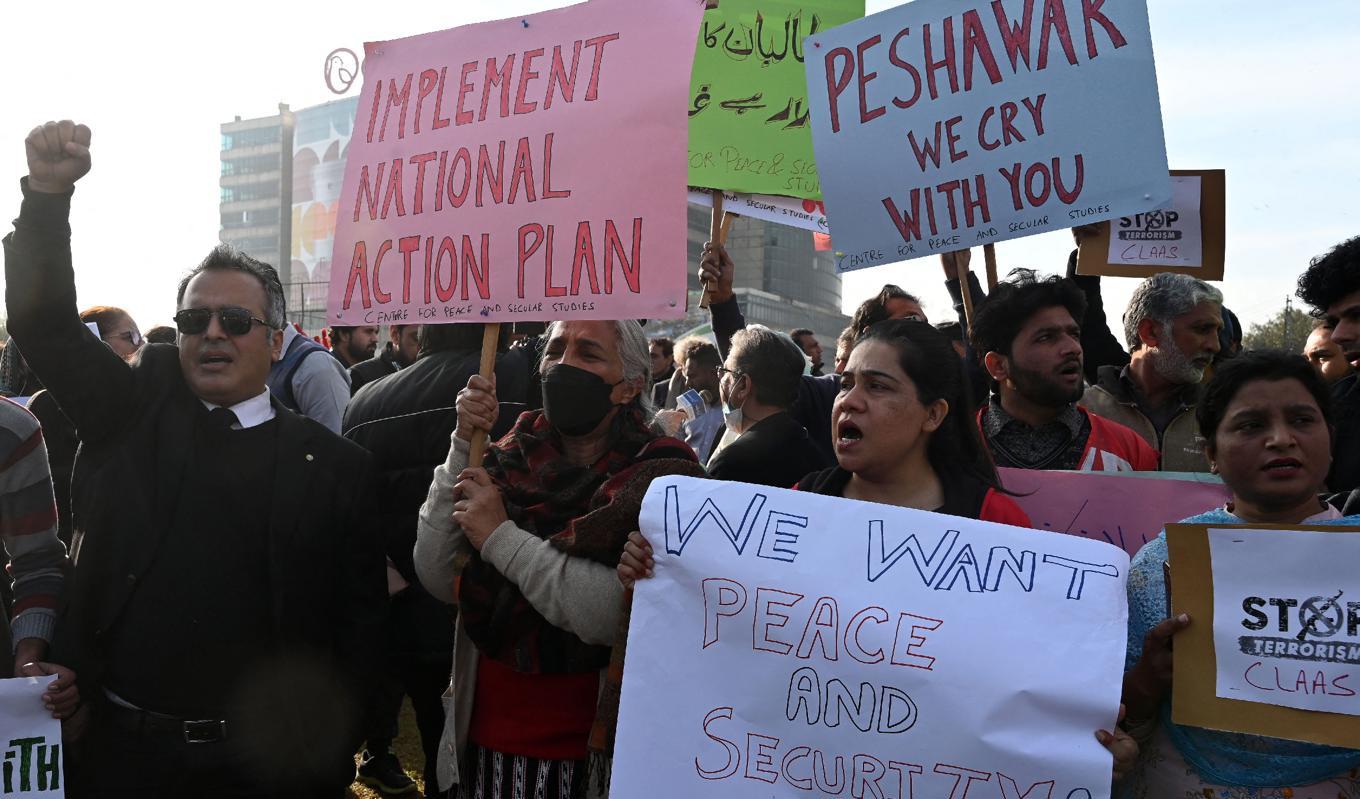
557, 501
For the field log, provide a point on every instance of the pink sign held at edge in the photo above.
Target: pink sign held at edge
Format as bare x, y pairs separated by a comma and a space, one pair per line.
1125, 511
530, 168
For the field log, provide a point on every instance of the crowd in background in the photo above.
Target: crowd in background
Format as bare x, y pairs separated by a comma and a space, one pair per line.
240, 548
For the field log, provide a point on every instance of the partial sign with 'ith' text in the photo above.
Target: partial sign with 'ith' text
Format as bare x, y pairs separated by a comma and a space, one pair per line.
30, 742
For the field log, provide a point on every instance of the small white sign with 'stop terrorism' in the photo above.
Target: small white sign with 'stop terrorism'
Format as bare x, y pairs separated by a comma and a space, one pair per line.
1287, 618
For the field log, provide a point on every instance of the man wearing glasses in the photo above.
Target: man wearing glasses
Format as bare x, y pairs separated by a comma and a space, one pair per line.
227, 593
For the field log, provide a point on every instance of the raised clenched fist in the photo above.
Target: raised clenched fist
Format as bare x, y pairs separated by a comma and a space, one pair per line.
58, 156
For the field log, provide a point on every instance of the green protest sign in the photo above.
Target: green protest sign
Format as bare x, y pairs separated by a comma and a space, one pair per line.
749, 129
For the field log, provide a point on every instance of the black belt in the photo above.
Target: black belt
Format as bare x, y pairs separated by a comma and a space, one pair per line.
146, 722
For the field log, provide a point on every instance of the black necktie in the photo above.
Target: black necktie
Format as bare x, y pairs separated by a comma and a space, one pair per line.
222, 419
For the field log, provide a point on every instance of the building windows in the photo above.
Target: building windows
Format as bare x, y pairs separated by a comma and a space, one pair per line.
252, 138
252, 165
313, 125
253, 191
240, 219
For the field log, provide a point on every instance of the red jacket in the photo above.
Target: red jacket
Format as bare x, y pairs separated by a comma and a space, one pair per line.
999, 508
1113, 447
1110, 447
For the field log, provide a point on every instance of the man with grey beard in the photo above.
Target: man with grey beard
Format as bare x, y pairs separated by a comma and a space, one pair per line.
1171, 327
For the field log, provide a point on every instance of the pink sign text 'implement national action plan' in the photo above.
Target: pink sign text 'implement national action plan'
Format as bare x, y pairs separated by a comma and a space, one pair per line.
525, 169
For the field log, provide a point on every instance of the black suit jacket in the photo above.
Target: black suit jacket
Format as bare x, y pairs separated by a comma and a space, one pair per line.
326, 574
775, 451
406, 421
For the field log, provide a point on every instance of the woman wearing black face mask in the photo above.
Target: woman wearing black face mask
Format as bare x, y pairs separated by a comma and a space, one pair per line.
527, 548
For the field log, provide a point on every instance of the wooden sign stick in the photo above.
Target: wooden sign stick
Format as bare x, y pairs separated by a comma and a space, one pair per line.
989, 255
491, 335
965, 278
717, 232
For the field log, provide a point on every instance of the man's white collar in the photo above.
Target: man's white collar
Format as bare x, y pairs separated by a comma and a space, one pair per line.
249, 413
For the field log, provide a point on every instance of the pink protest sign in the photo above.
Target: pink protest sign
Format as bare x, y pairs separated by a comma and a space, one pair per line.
1125, 511
525, 169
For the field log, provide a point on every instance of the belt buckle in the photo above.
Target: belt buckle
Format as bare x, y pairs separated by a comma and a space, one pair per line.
204, 731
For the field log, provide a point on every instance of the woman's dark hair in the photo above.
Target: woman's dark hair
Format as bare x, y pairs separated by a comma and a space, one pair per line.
928, 358
1232, 375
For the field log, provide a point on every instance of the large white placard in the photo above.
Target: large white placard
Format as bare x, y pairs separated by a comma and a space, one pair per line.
795, 645
940, 125
31, 741
1169, 236
1287, 617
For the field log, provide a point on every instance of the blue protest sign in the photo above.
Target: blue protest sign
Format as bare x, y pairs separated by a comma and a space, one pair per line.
941, 125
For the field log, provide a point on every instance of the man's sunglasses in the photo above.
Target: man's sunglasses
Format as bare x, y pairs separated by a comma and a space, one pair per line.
235, 321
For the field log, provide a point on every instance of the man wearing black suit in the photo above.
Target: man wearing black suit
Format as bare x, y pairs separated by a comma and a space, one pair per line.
227, 590
758, 385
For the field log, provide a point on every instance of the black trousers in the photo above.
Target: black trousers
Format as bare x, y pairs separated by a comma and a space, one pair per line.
424, 681
418, 662
115, 763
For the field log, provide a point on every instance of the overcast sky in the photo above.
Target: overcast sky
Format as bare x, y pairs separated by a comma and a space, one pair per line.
1266, 91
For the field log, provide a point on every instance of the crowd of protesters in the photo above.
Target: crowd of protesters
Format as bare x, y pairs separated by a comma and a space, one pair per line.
274, 540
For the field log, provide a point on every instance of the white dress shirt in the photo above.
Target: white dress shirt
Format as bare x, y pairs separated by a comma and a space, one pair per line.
254, 411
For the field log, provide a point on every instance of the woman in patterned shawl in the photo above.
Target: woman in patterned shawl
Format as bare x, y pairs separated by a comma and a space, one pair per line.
526, 547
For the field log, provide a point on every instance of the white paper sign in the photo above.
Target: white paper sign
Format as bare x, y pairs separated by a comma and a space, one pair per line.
805, 214
940, 125
1168, 236
795, 645
1287, 618
30, 740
